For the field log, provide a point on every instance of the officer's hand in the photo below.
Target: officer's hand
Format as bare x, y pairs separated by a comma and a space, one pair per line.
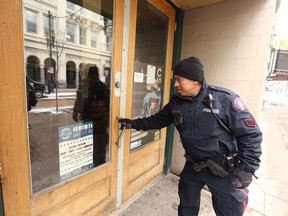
75, 116
125, 123
241, 179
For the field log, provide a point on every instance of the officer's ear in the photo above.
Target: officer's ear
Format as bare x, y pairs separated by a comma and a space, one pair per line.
208, 99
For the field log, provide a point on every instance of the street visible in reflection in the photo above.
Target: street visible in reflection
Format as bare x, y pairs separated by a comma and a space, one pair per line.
44, 120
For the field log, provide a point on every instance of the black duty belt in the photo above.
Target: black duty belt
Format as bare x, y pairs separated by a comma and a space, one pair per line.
218, 166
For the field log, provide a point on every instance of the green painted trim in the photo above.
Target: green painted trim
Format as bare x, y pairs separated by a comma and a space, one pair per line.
176, 59
1, 200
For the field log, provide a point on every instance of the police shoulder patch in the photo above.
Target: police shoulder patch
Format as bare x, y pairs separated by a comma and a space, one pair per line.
250, 122
238, 104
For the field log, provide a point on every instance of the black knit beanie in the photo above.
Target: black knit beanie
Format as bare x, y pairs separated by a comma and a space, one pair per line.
190, 68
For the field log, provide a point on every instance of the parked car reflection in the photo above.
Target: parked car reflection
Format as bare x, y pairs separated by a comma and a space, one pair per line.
39, 88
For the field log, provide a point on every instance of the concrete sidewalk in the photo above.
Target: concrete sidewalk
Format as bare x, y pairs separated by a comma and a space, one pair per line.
161, 198
268, 194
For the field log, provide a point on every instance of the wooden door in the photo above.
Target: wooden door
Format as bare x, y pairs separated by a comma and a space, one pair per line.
26, 191
148, 86
93, 192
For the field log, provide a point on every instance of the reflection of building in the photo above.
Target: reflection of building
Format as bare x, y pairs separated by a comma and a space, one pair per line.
278, 66
79, 32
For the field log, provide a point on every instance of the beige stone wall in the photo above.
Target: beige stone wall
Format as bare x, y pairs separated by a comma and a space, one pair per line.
232, 39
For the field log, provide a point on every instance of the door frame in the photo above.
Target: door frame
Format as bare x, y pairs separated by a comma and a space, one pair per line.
176, 58
13, 138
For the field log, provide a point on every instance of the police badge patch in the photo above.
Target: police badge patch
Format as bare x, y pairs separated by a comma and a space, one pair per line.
250, 122
238, 104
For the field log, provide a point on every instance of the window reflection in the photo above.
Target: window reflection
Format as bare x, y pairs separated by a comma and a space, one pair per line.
31, 21
69, 116
70, 5
92, 104
82, 36
93, 39
46, 25
71, 28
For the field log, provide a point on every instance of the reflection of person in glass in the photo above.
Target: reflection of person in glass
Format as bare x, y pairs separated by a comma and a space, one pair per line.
30, 94
92, 105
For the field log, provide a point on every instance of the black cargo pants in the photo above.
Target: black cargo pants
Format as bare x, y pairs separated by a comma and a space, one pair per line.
226, 199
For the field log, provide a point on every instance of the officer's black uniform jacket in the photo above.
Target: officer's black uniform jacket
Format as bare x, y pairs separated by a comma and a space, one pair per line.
201, 134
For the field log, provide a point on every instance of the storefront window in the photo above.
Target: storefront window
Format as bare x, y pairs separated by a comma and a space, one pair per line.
149, 67
68, 96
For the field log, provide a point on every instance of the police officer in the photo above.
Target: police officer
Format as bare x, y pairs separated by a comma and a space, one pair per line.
222, 141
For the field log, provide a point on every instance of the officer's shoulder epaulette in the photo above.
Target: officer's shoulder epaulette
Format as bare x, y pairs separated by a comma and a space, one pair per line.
221, 89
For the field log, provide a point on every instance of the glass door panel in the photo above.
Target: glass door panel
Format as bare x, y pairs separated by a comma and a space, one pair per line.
149, 68
68, 66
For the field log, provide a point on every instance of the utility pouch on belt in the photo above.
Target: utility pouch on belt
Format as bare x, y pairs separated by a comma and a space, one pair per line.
232, 161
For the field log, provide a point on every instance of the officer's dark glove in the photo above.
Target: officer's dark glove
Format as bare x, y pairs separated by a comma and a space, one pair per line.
241, 179
125, 123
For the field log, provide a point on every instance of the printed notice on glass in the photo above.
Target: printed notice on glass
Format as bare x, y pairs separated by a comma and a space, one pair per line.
138, 77
151, 70
75, 148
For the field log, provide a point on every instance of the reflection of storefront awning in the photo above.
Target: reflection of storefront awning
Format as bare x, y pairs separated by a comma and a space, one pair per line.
277, 76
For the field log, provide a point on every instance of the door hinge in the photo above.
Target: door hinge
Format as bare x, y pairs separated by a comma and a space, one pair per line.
1, 179
175, 27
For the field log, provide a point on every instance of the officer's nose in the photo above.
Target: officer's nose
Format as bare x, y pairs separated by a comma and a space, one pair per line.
176, 84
